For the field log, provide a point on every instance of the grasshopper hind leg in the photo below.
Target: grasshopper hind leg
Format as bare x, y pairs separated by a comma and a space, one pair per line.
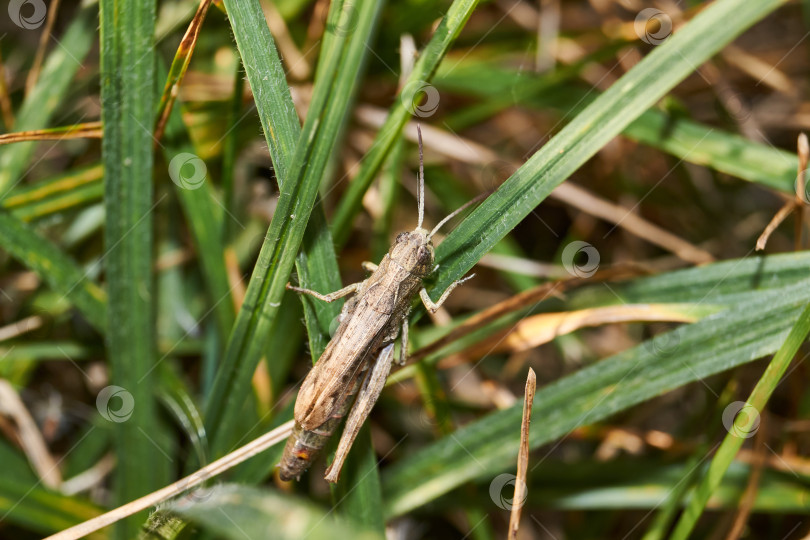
366, 398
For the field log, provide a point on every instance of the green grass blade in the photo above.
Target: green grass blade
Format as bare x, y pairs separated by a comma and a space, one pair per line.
128, 108
746, 331
55, 268
316, 264
257, 513
358, 494
594, 127
24, 502
39, 106
298, 194
668, 131
75, 188
196, 196
446, 33
746, 423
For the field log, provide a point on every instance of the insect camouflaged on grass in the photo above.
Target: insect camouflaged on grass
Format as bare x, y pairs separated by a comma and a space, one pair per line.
369, 323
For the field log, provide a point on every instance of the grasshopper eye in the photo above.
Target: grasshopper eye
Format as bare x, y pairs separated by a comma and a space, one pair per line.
423, 254
402, 236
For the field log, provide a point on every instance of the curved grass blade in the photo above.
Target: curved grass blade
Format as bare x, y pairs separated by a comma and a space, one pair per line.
203, 220
446, 33
746, 423
182, 58
24, 502
55, 268
594, 127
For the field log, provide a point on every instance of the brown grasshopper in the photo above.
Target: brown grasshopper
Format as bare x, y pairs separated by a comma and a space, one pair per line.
369, 323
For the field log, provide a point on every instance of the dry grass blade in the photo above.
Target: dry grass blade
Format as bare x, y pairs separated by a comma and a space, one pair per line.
30, 437
539, 329
5, 100
521, 487
182, 58
260, 444
798, 203
20, 327
33, 74
88, 130
516, 302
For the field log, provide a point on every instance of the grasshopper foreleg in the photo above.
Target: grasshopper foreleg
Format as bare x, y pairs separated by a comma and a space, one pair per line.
369, 266
434, 307
366, 398
331, 297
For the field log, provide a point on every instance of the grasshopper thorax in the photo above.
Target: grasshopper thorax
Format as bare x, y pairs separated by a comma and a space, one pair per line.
413, 251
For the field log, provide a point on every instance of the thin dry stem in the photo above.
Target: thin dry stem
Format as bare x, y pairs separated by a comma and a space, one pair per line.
260, 444
5, 100
521, 487
31, 439
88, 130
797, 203
185, 50
36, 67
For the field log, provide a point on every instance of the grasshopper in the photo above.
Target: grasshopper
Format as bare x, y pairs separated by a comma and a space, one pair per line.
358, 358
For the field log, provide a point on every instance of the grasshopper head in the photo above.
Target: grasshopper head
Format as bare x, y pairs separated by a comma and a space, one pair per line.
413, 251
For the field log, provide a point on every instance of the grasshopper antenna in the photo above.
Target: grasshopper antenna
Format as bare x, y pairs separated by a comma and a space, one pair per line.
421, 195
457, 211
